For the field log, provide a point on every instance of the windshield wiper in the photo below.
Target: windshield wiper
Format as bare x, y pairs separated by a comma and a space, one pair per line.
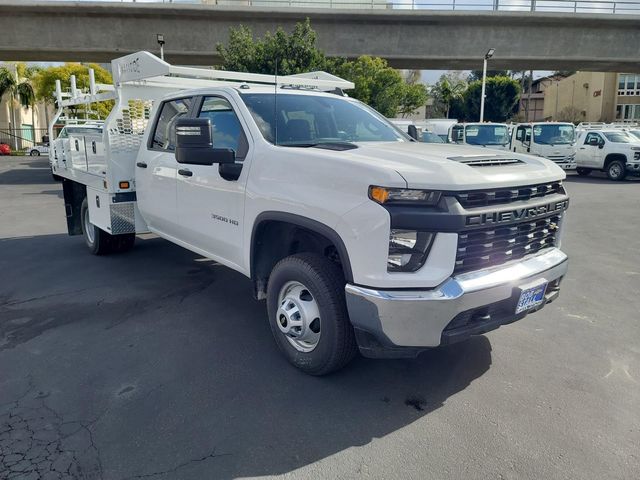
339, 146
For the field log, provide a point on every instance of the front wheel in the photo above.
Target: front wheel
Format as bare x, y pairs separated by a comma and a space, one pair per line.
583, 172
308, 313
34, 153
616, 170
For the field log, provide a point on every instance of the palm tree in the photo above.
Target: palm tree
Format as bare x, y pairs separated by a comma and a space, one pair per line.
21, 91
448, 92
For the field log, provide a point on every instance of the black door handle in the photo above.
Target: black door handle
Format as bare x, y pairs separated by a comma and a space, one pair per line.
185, 173
141, 165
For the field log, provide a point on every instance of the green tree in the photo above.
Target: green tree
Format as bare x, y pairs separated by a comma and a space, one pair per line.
295, 52
19, 88
44, 81
376, 83
381, 86
448, 91
501, 102
477, 74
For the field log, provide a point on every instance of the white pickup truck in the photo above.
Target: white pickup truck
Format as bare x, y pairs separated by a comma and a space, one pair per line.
358, 237
613, 151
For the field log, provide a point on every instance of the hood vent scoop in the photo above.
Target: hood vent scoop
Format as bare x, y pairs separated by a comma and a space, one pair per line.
485, 160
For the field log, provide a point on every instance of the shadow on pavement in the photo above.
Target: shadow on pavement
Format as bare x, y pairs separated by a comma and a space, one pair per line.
159, 363
36, 172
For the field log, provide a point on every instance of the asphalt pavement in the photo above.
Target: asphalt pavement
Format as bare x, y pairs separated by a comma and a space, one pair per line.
158, 364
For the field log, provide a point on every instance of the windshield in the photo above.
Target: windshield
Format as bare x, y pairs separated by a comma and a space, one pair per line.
619, 137
486, 135
306, 120
553, 134
428, 137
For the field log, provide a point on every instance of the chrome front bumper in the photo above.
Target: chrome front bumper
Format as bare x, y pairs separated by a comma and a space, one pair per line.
419, 318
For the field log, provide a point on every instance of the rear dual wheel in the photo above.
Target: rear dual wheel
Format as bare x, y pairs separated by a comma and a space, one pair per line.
308, 313
101, 242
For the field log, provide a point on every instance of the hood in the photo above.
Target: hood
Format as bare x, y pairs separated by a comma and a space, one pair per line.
456, 167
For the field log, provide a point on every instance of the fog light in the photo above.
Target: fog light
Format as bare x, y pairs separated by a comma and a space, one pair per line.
408, 250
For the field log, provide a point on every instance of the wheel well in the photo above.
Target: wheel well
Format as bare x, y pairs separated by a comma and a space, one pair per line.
614, 156
273, 240
74, 194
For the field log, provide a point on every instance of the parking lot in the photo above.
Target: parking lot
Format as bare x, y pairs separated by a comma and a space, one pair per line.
158, 364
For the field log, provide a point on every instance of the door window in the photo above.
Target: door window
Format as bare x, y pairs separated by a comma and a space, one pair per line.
226, 129
164, 135
590, 136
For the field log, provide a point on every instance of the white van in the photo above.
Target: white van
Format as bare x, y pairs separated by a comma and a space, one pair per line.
492, 135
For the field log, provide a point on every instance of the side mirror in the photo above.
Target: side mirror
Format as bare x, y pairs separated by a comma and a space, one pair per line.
600, 144
413, 132
194, 143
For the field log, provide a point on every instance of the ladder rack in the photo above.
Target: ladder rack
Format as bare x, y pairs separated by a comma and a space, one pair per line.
144, 70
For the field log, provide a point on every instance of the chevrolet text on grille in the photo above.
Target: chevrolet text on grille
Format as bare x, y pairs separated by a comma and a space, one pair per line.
517, 214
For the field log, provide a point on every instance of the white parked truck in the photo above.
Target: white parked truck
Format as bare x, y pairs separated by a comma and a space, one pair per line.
553, 140
490, 135
613, 151
358, 237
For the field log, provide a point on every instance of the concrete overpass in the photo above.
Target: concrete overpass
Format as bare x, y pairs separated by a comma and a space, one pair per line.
421, 39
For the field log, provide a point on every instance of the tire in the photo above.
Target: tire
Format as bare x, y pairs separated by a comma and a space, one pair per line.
616, 170
34, 153
96, 239
101, 242
583, 172
326, 343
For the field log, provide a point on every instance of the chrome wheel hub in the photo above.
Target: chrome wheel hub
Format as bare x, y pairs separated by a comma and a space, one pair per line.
298, 316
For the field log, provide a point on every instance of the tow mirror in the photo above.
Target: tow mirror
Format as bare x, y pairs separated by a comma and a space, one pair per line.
413, 132
194, 143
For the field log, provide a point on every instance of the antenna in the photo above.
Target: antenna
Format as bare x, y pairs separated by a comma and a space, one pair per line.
275, 104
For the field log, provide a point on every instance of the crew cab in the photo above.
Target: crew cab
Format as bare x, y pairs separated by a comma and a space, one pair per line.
613, 151
358, 237
553, 140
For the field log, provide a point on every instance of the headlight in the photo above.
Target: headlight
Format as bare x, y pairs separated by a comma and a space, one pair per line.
408, 250
385, 195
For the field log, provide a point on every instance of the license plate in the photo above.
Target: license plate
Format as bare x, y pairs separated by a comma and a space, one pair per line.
531, 297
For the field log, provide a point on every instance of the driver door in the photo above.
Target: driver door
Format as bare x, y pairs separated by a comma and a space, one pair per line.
211, 197
589, 152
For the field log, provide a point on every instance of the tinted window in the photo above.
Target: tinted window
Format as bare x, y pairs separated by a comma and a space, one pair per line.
164, 136
590, 137
310, 119
553, 134
619, 137
428, 137
226, 129
487, 135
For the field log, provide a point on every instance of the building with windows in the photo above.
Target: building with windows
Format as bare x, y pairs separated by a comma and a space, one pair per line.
532, 101
594, 97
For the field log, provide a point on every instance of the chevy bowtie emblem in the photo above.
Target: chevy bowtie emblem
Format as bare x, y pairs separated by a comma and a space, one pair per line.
553, 226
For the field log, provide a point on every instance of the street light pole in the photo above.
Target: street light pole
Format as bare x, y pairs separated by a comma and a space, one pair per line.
487, 56
160, 39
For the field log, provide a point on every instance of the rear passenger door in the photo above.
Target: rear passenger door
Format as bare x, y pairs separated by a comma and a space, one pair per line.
156, 170
211, 197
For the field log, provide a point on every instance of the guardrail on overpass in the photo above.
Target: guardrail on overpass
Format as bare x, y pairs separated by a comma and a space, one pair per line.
621, 7
101, 31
